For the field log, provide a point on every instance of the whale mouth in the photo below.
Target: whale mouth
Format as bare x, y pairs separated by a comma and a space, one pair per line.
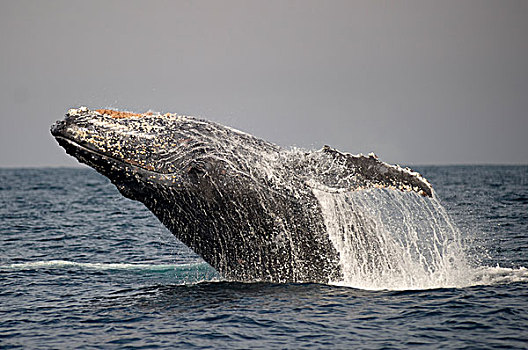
78, 139
95, 158
125, 137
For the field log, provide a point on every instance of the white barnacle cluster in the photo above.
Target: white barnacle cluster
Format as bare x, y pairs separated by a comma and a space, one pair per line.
173, 117
77, 111
416, 175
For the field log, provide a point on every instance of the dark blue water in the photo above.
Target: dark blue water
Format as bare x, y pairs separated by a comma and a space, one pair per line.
80, 266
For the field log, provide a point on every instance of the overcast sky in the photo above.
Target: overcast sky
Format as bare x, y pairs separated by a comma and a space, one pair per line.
416, 82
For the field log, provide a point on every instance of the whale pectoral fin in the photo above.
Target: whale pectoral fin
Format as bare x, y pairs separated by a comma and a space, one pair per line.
371, 172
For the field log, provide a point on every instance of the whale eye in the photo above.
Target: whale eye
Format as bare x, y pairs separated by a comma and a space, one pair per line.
196, 172
202, 168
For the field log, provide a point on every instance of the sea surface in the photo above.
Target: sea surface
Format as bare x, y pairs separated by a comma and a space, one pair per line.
83, 267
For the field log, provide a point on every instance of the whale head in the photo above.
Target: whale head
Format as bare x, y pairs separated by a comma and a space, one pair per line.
138, 152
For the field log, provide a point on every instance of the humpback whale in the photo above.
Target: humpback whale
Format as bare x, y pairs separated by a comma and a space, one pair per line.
245, 205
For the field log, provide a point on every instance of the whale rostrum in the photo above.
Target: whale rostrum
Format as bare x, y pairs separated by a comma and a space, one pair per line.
245, 205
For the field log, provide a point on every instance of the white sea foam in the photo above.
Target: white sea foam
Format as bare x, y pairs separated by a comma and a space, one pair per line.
97, 266
486, 275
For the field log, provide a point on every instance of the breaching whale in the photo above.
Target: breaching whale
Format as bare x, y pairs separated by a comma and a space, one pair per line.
245, 205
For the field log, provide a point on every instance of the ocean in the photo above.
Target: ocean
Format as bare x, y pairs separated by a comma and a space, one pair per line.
83, 267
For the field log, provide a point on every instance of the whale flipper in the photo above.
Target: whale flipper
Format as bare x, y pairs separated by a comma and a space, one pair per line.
369, 171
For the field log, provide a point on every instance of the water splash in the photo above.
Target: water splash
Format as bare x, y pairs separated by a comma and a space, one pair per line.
397, 240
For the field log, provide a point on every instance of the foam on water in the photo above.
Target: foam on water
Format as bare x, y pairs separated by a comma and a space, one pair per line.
486, 275
100, 266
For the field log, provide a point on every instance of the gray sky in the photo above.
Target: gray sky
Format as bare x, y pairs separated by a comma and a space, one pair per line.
416, 82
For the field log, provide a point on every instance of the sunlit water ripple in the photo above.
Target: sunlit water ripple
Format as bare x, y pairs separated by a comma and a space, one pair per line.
80, 266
